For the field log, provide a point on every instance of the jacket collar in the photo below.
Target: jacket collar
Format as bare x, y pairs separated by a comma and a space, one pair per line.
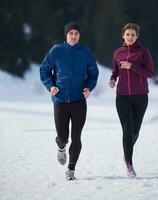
69, 46
133, 46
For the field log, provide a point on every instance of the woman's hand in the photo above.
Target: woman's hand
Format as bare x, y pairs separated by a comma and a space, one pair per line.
112, 83
54, 91
125, 65
86, 92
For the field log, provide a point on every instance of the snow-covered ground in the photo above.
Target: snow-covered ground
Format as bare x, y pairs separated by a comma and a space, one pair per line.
28, 165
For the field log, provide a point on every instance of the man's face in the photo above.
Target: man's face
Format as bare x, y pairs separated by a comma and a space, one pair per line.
73, 37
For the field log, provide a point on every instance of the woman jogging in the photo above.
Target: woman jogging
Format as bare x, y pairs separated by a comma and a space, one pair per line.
132, 65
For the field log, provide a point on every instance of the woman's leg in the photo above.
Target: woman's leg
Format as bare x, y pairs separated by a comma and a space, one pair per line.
125, 114
139, 105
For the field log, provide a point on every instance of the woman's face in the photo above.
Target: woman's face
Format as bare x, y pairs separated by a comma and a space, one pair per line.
130, 36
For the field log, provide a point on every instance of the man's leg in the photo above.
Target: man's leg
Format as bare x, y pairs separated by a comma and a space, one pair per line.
78, 117
62, 119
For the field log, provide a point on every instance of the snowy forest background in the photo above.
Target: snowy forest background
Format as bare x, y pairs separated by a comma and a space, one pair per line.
29, 28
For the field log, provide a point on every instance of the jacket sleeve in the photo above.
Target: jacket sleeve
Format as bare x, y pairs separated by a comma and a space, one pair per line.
115, 68
46, 68
145, 70
92, 72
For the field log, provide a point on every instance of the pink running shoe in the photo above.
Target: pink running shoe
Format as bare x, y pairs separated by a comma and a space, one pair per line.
130, 170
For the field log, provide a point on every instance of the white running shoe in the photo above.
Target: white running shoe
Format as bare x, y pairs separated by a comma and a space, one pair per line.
61, 156
70, 175
130, 171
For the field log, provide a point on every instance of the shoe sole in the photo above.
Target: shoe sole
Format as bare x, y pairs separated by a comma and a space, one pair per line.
131, 176
62, 161
70, 179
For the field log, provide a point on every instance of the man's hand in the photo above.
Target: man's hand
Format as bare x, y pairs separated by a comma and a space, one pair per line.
54, 91
86, 92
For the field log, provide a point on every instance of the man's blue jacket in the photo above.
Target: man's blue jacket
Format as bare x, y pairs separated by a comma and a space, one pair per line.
71, 69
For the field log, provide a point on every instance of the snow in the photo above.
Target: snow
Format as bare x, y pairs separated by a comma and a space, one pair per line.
28, 165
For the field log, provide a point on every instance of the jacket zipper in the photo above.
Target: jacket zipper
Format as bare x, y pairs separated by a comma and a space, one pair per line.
128, 75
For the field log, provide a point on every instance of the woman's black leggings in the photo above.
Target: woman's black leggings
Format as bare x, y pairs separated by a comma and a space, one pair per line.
63, 114
131, 110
